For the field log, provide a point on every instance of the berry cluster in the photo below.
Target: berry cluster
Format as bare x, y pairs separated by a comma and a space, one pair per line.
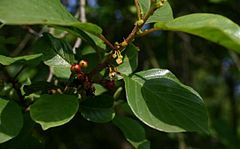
84, 84
77, 68
81, 81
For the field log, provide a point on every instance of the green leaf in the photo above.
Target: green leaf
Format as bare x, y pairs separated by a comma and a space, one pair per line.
130, 60
144, 5
4, 60
98, 109
99, 89
159, 100
54, 110
91, 39
133, 132
163, 14
25, 139
11, 120
212, 27
58, 55
49, 12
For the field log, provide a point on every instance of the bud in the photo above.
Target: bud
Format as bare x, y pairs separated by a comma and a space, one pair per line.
140, 22
119, 61
159, 4
124, 43
114, 55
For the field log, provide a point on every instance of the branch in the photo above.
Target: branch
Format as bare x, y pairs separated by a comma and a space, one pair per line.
139, 12
50, 74
15, 85
82, 18
106, 41
148, 31
128, 40
137, 26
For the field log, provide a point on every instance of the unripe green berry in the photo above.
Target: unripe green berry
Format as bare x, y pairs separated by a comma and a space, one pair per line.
124, 43
159, 4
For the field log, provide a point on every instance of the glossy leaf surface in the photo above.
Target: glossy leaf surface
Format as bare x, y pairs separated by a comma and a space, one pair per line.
159, 100
54, 110
215, 28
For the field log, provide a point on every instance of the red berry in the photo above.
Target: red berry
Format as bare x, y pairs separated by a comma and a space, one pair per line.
110, 84
76, 68
83, 63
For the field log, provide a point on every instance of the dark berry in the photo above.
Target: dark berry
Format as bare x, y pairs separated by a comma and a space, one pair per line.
81, 76
87, 85
110, 84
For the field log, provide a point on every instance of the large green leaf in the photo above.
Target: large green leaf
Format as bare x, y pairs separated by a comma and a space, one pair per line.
50, 12
212, 27
144, 5
54, 110
25, 139
4, 60
98, 109
130, 60
133, 132
91, 39
158, 99
11, 120
58, 55
163, 14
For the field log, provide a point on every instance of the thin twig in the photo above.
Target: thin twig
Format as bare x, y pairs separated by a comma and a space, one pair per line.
106, 41
33, 32
50, 74
148, 31
136, 28
82, 11
139, 12
22, 45
82, 18
15, 86
26, 39
128, 40
15, 77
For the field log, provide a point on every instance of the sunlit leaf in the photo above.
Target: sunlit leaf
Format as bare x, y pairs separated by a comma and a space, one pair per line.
5, 60
54, 110
98, 109
11, 120
212, 27
158, 99
49, 12
163, 14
